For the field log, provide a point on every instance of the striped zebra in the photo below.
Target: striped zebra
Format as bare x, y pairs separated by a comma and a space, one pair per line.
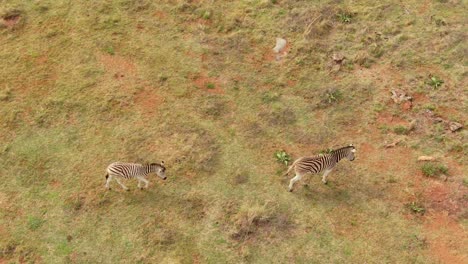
133, 170
319, 163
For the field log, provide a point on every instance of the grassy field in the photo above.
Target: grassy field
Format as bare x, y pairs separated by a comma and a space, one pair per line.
197, 84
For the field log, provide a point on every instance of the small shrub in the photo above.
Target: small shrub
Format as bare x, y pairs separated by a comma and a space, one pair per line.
379, 107
377, 51
401, 130
206, 15
435, 82
210, 86
433, 170
416, 208
270, 97
345, 17
334, 96
109, 50
429, 107
34, 222
283, 157
5, 95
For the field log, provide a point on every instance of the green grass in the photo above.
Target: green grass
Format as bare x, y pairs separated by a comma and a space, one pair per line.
401, 130
86, 83
282, 157
433, 170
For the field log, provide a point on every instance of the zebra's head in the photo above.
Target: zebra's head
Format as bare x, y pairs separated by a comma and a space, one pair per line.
159, 169
351, 152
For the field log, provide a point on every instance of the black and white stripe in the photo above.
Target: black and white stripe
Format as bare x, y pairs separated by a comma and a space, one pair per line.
319, 163
119, 170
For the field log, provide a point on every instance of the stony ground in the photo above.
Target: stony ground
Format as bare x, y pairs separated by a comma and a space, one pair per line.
197, 84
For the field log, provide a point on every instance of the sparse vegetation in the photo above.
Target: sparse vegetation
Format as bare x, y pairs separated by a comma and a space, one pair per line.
435, 82
210, 86
283, 157
197, 84
34, 223
401, 130
345, 17
416, 208
433, 169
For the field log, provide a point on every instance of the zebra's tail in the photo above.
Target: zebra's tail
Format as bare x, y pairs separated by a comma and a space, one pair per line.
290, 168
107, 176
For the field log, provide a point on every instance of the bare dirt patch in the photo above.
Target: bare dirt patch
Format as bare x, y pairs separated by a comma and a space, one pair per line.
11, 19
445, 197
448, 239
148, 101
118, 66
160, 14
270, 55
208, 84
390, 120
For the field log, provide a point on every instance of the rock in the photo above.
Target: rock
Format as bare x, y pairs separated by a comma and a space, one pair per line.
454, 126
407, 105
338, 57
399, 96
393, 144
426, 158
280, 45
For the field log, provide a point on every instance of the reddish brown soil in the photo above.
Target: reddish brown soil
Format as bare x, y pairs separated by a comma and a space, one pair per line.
11, 21
148, 101
447, 239
269, 55
444, 202
424, 7
160, 15
420, 98
390, 120
55, 184
117, 65
201, 82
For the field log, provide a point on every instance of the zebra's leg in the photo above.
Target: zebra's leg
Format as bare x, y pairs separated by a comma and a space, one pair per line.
142, 179
139, 183
108, 180
294, 180
325, 174
121, 184
146, 182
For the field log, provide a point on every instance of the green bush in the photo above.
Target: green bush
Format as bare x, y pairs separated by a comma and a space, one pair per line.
435, 82
416, 208
401, 130
433, 170
345, 17
283, 157
34, 222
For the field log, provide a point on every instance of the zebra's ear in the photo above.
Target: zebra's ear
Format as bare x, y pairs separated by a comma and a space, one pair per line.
162, 162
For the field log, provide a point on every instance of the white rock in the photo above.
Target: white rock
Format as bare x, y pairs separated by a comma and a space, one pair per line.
280, 45
426, 158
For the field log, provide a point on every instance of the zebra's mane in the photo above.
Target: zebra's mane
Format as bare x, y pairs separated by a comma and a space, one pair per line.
160, 165
335, 150
157, 164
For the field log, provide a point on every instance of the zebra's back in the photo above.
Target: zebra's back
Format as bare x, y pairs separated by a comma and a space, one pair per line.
126, 170
314, 164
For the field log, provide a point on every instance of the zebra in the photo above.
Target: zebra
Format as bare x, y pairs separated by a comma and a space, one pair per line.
133, 170
319, 163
